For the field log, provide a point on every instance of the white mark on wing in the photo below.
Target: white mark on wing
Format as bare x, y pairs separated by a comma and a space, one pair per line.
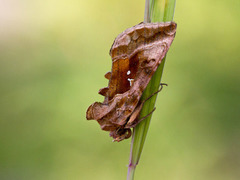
129, 72
130, 81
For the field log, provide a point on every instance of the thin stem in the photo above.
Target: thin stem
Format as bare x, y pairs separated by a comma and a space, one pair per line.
155, 11
131, 167
147, 17
133, 160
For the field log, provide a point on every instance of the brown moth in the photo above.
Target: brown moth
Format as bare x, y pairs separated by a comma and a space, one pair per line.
136, 54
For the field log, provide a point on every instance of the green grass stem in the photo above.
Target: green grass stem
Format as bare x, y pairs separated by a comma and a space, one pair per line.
155, 11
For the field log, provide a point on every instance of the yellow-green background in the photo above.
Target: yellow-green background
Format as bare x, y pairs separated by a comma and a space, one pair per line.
53, 55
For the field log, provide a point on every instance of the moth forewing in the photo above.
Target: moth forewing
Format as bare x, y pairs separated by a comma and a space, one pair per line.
136, 54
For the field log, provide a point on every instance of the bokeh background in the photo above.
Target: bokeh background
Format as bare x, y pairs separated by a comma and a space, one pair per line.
53, 55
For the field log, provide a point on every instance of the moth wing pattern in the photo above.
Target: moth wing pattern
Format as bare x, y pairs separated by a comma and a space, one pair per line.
136, 54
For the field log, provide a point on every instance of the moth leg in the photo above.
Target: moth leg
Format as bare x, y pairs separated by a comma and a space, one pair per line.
146, 115
161, 87
132, 122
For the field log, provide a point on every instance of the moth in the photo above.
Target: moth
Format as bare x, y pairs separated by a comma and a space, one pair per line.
136, 54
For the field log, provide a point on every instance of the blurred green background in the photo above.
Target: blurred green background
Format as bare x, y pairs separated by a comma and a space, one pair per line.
53, 55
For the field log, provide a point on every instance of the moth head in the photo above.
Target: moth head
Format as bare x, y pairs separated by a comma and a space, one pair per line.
120, 134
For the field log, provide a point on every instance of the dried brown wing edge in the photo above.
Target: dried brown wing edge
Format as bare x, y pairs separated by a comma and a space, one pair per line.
126, 33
